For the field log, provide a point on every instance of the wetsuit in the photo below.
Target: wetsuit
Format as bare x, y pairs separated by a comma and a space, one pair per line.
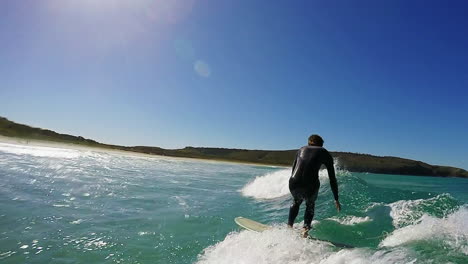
304, 182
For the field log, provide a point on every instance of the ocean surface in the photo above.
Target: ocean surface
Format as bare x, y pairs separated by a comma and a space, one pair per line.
62, 205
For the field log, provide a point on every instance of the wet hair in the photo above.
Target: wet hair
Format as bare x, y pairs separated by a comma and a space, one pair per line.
316, 140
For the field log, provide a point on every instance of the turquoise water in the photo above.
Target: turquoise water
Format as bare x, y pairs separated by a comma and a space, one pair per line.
76, 206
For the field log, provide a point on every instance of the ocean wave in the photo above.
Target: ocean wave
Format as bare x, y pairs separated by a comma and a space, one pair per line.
451, 230
351, 220
406, 212
276, 184
39, 151
272, 246
269, 186
281, 245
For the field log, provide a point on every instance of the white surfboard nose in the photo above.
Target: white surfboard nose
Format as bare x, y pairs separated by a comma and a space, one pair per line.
251, 224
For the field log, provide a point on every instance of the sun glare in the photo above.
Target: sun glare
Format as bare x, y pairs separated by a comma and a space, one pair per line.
109, 24
162, 11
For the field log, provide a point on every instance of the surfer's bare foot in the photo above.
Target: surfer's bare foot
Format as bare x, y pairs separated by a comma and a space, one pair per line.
305, 232
290, 226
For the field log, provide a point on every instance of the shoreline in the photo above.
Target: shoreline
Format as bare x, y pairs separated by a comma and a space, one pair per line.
63, 145
354, 162
108, 150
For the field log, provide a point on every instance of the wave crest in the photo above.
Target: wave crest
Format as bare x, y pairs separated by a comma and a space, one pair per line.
276, 184
39, 151
451, 230
282, 245
406, 212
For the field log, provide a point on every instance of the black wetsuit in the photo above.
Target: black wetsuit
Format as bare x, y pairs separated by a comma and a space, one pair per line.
304, 182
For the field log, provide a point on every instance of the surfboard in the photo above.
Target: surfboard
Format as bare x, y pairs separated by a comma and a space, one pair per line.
252, 225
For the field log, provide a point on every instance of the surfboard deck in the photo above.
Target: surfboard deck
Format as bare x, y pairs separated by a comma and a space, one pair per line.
250, 224
253, 225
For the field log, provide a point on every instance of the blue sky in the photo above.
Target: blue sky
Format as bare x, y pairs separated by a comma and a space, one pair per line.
378, 77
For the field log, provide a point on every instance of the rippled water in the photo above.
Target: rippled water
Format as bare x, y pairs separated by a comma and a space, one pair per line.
76, 206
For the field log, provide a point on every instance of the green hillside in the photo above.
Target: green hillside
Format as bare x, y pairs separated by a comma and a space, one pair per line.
350, 161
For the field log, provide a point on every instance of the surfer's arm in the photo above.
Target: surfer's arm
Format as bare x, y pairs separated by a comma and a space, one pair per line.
331, 175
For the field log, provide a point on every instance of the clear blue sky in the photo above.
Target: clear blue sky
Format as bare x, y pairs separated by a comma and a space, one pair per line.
378, 77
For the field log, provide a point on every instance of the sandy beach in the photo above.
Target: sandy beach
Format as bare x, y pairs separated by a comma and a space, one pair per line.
60, 145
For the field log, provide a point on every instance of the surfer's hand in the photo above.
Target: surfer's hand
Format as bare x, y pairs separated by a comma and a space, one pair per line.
338, 205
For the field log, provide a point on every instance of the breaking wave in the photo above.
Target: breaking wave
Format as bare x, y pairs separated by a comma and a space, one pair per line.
406, 212
451, 230
351, 220
275, 184
280, 245
40, 151
269, 186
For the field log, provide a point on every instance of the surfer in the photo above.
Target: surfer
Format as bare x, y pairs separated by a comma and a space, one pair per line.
304, 183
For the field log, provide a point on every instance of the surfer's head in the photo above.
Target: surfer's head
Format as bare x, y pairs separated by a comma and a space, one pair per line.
316, 140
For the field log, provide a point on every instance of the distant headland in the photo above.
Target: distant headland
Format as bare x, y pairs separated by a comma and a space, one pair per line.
353, 162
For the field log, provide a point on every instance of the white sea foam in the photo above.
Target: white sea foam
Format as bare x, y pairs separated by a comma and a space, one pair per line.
76, 222
88, 243
363, 256
145, 233
39, 151
280, 245
373, 205
7, 254
269, 186
61, 205
276, 184
404, 212
351, 220
451, 230
271, 246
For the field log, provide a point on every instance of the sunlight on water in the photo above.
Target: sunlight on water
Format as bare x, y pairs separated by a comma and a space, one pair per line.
70, 205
